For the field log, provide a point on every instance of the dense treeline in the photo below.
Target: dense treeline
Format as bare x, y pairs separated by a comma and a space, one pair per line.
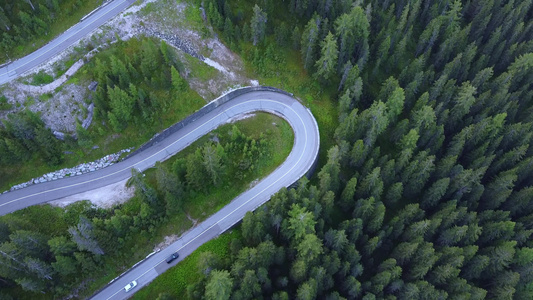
128, 82
427, 193
138, 83
45, 249
24, 20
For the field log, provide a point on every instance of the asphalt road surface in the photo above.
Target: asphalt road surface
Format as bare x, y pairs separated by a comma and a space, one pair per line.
63, 41
300, 160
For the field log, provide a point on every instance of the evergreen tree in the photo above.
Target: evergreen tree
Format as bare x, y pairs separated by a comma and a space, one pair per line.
258, 25
326, 65
219, 285
309, 42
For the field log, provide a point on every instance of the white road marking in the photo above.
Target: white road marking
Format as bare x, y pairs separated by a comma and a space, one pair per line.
240, 206
140, 162
64, 37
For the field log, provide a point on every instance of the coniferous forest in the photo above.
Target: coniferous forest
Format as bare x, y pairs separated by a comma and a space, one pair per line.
428, 191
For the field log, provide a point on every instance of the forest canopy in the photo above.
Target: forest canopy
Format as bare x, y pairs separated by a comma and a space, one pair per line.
427, 192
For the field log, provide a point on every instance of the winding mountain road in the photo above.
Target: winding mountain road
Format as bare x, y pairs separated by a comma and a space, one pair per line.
63, 41
300, 161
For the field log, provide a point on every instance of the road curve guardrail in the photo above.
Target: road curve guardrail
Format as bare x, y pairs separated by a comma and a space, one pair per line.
300, 162
182, 134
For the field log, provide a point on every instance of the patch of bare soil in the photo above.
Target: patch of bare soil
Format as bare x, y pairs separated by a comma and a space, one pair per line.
104, 197
166, 242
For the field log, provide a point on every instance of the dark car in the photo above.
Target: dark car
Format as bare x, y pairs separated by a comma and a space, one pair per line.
172, 257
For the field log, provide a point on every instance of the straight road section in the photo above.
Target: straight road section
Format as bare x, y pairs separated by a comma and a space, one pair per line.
66, 39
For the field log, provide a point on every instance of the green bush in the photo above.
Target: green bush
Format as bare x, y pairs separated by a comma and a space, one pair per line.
41, 78
4, 105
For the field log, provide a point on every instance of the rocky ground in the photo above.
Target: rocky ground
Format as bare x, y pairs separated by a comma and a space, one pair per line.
62, 102
105, 197
103, 162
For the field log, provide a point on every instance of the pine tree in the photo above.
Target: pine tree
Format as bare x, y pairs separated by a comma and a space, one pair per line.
326, 65
83, 236
213, 161
228, 30
219, 285
178, 82
258, 25
122, 106
309, 42
301, 222
352, 29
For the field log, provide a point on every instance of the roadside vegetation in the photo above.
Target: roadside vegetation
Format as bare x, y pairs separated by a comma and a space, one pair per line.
271, 53
4, 105
25, 26
425, 185
174, 282
129, 110
426, 188
102, 243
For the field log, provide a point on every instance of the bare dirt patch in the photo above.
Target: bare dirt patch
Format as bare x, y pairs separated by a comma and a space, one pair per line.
166, 242
104, 197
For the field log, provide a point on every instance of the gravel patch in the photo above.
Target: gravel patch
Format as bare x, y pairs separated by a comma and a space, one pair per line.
240, 117
104, 197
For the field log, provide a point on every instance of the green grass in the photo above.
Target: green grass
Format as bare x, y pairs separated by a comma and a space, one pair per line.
41, 78
45, 97
175, 281
62, 68
194, 18
29, 101
61, 24
4, 105
287, 73
199, 69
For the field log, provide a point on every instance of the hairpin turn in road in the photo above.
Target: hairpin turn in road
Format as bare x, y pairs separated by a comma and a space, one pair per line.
300, 161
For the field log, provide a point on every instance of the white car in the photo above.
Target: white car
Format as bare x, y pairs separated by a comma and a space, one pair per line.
130, 286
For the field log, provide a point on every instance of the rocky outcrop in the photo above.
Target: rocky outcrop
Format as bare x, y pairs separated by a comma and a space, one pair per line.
103, 162
177, 42
59, 135
87, 122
